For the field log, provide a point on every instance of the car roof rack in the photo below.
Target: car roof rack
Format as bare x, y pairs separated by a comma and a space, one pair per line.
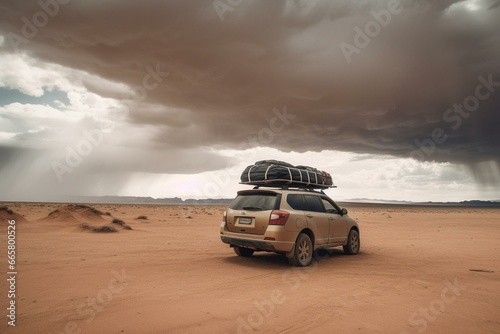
312, 188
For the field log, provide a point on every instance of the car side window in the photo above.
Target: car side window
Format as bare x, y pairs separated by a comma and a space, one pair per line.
313, 203
330, 208
295, 201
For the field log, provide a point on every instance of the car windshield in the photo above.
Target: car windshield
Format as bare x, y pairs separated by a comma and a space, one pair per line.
254, 202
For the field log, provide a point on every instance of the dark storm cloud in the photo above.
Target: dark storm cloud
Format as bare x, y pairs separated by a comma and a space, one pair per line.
226, 77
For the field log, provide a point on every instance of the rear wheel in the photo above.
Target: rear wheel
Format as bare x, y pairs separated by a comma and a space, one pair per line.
303, 252
353, 243
245, 252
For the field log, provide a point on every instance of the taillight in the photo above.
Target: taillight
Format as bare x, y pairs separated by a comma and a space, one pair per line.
224, 217
278, 217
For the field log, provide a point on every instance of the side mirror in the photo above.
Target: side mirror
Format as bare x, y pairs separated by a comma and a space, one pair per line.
343, 211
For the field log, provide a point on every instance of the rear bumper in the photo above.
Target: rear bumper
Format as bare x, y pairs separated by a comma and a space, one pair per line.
284, 245
253, 244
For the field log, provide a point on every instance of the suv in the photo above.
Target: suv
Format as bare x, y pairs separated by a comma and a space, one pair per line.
286, 221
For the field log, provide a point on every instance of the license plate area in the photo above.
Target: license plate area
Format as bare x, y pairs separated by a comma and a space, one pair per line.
245, 221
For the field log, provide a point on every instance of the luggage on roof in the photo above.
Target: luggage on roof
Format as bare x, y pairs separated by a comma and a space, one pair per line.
273, 173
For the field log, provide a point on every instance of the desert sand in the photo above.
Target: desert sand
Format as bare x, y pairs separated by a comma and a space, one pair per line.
421, 269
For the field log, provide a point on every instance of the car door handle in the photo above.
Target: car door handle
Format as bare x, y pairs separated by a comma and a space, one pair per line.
309, 215
330, 218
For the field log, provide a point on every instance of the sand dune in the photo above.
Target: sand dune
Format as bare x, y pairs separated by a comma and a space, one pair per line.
86, 217
173, 275
7, 214
75, 213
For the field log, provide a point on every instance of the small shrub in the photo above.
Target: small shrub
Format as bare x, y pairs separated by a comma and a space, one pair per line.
118, 222
121, 223
99, 229
104, 229
142, 217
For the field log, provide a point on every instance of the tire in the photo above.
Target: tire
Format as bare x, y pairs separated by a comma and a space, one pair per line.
353, 243
303, 251
245, 252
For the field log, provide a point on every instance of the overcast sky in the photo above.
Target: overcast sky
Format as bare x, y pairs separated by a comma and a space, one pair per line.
397, 99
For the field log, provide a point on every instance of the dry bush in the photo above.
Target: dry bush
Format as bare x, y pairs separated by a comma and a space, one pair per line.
121, 223
99, 229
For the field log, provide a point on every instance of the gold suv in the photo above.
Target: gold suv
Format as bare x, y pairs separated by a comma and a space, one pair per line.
286, 221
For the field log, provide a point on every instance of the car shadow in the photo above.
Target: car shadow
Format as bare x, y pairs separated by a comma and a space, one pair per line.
261, 260
265, 260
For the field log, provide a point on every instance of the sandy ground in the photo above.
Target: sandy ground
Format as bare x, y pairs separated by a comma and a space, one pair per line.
172, 274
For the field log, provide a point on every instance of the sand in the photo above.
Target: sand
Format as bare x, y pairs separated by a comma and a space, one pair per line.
172, 274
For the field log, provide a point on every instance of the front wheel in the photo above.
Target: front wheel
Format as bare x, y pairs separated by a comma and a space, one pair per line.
245, 252
303, 252
353, 243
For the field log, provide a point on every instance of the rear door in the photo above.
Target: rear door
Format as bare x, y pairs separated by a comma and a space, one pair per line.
338, 223
316, 218
250, 211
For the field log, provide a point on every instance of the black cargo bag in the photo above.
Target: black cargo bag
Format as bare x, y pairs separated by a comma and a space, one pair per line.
274, 173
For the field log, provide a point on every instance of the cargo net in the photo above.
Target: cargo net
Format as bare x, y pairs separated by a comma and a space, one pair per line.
272, 173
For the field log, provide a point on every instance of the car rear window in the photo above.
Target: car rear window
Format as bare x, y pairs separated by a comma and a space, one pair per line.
255, 202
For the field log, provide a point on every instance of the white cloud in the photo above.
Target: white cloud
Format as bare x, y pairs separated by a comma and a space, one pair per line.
51, 126
6, 137
31, 76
